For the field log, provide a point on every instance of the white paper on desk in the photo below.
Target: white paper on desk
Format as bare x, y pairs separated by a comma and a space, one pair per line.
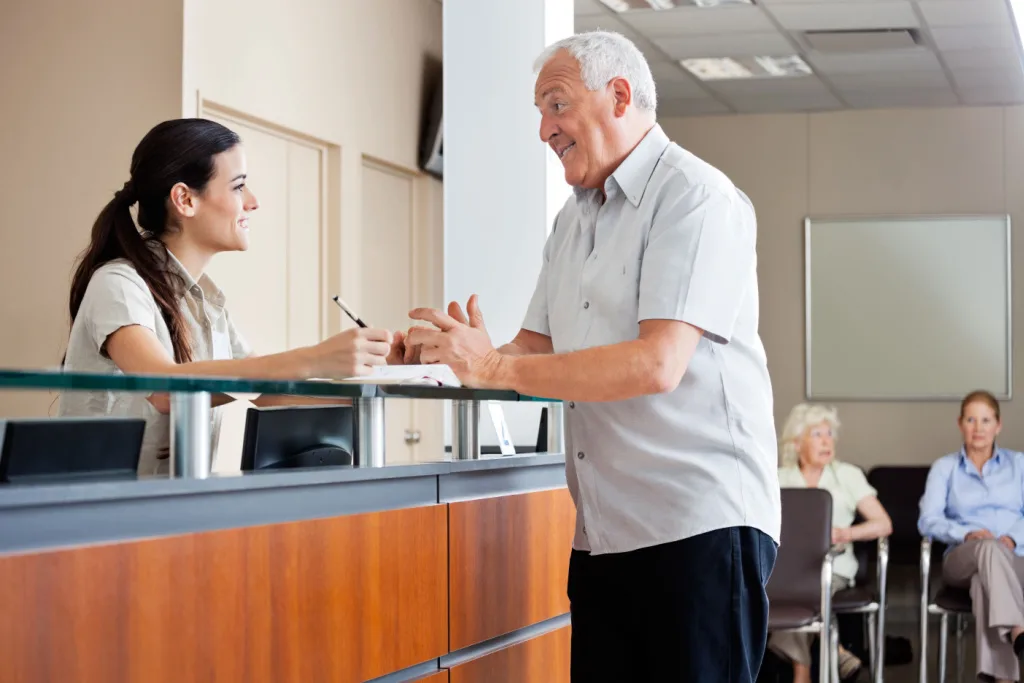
429, 375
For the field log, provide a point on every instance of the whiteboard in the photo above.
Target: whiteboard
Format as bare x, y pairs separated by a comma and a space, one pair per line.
907, 308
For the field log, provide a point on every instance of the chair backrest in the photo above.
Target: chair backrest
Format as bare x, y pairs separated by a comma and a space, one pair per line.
899, 491
806, 539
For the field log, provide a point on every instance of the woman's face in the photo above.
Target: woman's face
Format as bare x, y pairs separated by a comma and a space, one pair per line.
817, 446
220, 221
980, 426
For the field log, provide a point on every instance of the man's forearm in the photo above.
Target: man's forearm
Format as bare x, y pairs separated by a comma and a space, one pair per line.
514, 349
603, 373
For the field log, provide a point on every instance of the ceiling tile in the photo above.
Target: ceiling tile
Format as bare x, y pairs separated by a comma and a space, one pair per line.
684, 21
602, 22
981, 59
903, 60
932, 78
901, 97
988, 78
768, 86
728, 45
989, 95
841, 16
585, 7
960, 13
974, 38
691, 107
674, 83
771, 103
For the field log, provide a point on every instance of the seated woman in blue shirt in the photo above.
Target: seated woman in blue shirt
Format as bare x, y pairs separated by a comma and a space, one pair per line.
974, 502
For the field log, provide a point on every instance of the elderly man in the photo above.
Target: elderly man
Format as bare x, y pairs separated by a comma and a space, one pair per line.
644, 321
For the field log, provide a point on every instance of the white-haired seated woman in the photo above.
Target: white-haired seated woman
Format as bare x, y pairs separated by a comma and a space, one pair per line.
809, 461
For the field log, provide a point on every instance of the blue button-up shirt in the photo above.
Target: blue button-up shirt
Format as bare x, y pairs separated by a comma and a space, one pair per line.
958, 499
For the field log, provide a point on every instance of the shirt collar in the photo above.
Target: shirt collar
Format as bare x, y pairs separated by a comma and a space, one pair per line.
635, 171
211, 292
998, 455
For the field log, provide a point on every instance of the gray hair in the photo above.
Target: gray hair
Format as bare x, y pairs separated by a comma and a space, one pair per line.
604, 55
801, 418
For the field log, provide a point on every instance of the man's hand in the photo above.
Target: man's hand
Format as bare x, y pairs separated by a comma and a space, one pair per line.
459, 342
979, 535
1008, 542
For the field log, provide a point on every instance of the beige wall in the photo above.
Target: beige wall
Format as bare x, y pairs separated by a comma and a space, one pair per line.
896, 162
81, 83
350, 73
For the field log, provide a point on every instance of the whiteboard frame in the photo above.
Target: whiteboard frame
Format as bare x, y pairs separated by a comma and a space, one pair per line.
809, 221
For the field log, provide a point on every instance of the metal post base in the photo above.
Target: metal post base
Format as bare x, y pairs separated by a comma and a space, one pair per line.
465, 430
369, 445
190, 435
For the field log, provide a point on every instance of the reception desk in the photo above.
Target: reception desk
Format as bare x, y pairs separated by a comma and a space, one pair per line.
450, 571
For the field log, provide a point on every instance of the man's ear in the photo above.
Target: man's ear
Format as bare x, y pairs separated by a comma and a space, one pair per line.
183, 201
622, 93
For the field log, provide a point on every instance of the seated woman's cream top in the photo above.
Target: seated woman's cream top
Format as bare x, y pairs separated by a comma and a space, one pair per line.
848, 486
118, 297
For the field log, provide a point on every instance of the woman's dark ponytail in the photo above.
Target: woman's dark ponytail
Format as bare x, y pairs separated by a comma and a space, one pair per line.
179, 151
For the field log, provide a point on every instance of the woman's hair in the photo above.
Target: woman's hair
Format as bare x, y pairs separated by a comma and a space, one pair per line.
980, 397
178, 151
802, 417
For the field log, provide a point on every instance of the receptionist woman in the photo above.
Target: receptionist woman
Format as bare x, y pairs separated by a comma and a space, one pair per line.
140, 299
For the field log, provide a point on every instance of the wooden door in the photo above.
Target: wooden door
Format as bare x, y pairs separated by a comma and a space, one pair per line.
275, 290
387, 277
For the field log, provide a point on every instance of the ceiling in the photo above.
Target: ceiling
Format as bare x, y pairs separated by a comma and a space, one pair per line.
959, 52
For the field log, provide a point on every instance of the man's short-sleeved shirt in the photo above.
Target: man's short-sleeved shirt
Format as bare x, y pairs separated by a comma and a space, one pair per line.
117, 297
674, 239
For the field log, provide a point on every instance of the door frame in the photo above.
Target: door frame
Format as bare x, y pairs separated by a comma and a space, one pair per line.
210, 107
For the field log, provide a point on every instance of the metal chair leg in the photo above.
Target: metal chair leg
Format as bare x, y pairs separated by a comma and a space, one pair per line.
943, 645
961, 627
833, 651
874, 664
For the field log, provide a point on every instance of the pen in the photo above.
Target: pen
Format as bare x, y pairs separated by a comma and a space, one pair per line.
348, 311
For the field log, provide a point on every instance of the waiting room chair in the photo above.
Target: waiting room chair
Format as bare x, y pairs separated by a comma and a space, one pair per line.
800, 588
947, 601
868, 598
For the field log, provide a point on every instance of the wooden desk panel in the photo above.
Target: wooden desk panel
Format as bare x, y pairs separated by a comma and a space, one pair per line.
544, 658
439, 677
341, 599
508, 563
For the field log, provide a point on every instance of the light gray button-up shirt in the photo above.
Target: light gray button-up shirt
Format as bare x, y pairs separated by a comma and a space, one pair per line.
117, 297
675, 239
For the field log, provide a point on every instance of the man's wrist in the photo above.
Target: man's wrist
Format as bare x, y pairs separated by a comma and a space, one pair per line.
503, 370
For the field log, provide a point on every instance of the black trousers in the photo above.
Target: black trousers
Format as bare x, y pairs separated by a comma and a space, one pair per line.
693, 611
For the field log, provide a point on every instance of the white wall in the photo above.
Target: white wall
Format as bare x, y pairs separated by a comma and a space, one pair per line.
501, 189
902, 162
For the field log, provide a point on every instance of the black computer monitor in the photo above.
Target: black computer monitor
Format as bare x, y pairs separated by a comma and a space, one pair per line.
301, 436
58, 449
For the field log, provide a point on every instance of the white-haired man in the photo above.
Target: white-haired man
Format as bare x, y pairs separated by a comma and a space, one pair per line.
644, 321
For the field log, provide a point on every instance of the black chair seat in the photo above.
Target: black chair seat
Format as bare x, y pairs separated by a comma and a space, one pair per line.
953, 599
784, 617
853, 599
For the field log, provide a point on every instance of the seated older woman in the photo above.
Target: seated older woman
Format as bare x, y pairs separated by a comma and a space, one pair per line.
808, 461
973, 502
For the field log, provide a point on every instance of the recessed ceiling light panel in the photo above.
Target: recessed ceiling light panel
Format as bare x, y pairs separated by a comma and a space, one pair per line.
730, 68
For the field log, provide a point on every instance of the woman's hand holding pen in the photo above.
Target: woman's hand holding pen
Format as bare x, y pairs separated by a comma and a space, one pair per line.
351, 353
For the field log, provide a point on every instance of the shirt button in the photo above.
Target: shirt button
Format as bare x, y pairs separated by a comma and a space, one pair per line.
586, 304
581, 455
572, 404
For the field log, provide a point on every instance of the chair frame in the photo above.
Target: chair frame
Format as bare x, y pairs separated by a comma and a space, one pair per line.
875, 613
930, 608
825, 624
